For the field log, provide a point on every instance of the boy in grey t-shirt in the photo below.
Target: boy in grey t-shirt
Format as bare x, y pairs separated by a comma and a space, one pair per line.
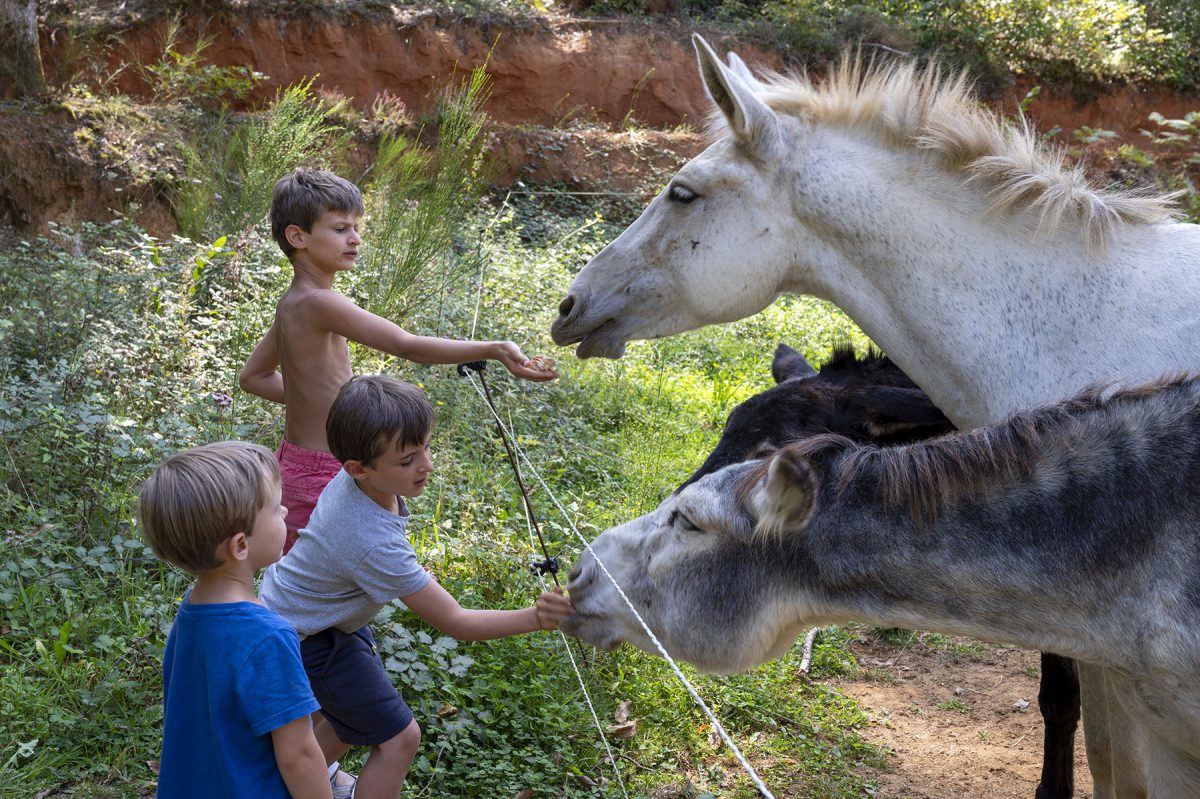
353, 558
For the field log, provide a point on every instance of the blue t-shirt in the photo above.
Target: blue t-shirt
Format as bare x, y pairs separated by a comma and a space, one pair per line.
231, 674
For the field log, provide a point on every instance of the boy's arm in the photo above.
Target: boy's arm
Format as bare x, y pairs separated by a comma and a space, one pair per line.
260, 375
435, 605
300, 760
339, 315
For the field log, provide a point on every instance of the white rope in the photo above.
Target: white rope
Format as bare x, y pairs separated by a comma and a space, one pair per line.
645, 627
533, 545
484, 237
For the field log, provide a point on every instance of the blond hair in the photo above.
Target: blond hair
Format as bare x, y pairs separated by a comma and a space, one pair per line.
199, 498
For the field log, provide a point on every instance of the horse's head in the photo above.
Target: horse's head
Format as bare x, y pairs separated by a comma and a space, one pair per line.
714, 590
681, 264
867, 399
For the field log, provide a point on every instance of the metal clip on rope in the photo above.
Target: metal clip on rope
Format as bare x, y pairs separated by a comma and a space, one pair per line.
549, 565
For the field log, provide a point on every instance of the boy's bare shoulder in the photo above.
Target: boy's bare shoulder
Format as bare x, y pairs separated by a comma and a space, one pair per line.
305, 300
308, 314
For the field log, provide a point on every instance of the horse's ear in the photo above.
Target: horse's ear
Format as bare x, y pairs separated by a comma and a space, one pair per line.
788, 364
750, 119
738, 67
789, 494
903, 413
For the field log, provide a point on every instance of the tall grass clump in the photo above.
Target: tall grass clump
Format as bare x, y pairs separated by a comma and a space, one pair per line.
417, 198
233, 165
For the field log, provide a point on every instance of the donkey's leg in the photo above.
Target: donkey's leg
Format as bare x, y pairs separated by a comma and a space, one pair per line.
1058, 699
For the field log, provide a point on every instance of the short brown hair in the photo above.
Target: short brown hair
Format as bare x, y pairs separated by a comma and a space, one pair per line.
198, 498
302, 196
370, 411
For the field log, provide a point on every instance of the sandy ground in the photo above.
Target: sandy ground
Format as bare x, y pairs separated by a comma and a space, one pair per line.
958, 720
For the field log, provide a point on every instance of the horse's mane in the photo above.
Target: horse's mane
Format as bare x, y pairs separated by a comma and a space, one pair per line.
922, 477
932, 110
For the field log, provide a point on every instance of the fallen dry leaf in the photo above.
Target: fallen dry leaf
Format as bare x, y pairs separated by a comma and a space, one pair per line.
446, 711
524, 793
626, 730
622, 712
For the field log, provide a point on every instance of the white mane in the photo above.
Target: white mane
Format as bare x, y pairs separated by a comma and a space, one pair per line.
930, 111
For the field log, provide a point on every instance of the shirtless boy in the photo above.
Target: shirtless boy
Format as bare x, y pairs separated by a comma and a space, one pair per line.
303, 360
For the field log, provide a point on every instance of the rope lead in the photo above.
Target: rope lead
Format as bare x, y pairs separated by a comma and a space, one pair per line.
550, 564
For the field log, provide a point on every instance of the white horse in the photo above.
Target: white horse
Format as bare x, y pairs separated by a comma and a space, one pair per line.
991, 274
1072, 528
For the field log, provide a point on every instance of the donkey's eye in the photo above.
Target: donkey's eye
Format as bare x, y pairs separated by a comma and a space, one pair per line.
681, 194
763, 450
683, 521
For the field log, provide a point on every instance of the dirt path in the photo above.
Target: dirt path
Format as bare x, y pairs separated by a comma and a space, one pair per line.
959, 718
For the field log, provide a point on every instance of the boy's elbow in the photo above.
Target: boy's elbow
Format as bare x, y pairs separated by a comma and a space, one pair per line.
460, 626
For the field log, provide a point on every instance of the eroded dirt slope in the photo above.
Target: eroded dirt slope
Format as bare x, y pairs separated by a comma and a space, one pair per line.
565, 94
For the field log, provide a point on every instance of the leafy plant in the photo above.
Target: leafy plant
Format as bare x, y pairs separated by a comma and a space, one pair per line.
1086, 135
180, 75
1180, 134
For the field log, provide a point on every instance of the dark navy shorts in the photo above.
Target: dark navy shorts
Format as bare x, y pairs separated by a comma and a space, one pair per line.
349, 681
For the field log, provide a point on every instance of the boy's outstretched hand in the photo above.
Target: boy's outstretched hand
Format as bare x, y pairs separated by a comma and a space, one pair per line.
515, 361
552, 607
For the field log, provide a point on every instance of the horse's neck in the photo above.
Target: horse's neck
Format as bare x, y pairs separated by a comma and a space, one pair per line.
986, 316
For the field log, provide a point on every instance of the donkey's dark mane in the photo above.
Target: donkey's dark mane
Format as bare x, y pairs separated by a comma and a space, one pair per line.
924, 476
842, 356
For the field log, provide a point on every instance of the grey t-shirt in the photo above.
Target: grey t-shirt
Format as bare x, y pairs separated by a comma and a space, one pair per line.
351, 560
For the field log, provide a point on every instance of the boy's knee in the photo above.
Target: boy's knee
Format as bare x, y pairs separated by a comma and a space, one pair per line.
403, 743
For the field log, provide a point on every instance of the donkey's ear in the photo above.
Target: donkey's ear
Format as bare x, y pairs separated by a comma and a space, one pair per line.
789, 494
788, 364
750, 119
904, 413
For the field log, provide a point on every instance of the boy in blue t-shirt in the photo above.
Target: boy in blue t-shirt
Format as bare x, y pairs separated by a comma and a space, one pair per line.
235, 696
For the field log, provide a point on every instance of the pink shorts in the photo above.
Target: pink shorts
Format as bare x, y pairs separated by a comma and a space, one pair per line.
304, 474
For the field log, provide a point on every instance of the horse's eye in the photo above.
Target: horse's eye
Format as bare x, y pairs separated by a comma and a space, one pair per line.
681, 194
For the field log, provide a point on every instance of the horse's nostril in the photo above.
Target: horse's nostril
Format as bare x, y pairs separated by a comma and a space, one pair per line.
564, 307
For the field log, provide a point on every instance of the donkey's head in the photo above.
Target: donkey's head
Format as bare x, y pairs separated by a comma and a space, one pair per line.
715, 570
683, 263
867, 399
